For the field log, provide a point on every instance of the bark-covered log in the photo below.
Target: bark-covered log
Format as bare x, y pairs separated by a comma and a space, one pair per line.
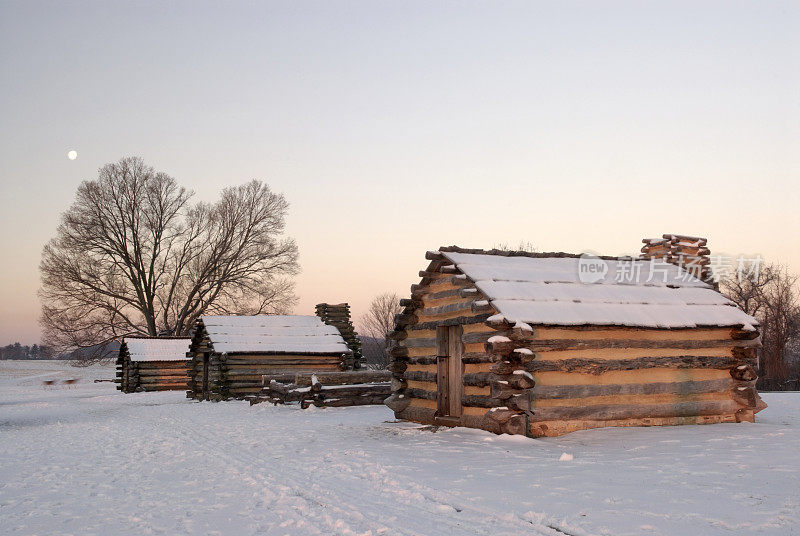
745, 353
477, 379
418, 414
552, 392
398, 351
746, 395
398, 384
398, 335
744, 373
348, 401
599, 366
343, 378
481, 306
397, 402
741, 334
461, 281
421, 393
420, 376
521, 401
520, 380
404, 319
547, 345
341, 391
503, 367
422, 360
480, 401
278, 360
468, 292
501, 414
636, 411
502, 390
398, 366
516, 425
501, 346
426, 342
449, 308
461, 320
476, 357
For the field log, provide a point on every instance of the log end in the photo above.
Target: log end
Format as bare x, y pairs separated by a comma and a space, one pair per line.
397, 402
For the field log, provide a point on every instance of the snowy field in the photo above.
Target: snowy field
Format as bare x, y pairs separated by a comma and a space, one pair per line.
88, 460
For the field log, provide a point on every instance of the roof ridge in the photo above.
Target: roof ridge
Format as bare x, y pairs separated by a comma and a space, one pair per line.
532, 254
150, 337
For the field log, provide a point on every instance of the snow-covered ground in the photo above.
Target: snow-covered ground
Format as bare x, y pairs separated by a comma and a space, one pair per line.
89, 460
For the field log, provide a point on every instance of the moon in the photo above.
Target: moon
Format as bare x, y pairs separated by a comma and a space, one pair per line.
72, 155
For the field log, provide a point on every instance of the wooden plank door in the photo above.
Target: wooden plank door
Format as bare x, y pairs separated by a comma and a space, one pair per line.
443, 371
456, 370
449, 371
206, 362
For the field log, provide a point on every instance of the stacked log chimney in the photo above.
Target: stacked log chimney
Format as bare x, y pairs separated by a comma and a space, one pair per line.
689, 252
338, 316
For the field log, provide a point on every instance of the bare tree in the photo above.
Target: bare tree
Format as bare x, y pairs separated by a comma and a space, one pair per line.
524, 245
376, 324
770, 295
134, 256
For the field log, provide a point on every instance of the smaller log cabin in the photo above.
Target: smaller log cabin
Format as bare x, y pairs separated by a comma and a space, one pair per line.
542, 344
152, 364
230, 354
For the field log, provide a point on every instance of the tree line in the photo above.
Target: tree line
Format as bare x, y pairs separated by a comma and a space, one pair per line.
771, 296
23, 351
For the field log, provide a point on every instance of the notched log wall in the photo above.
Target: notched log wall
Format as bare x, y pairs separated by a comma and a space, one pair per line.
593, 377
550, 380
443, 298
137, 376
219, 376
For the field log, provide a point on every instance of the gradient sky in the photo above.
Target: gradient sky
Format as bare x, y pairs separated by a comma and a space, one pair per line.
396, 127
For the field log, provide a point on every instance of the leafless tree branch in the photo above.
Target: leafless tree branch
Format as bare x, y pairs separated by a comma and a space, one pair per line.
134, 256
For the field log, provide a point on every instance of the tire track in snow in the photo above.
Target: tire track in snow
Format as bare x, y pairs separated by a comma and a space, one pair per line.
438, 510
249, 467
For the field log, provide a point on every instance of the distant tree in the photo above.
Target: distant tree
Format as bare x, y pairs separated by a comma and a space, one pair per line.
523, 245
770, 295
376, 324
134, 256
22, 352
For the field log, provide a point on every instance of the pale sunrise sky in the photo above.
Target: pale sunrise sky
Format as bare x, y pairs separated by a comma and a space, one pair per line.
396, 127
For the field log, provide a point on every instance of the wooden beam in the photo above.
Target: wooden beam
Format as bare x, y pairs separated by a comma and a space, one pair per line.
599, 366
636, 411
398, 335
462, 320
553, 392
549, 345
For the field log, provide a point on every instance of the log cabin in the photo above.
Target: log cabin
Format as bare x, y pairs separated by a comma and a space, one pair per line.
230, 354
543, 344
152, 364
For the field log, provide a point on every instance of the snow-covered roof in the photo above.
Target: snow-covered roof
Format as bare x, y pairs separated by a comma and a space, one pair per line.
563, 290
157, 349
273, 333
